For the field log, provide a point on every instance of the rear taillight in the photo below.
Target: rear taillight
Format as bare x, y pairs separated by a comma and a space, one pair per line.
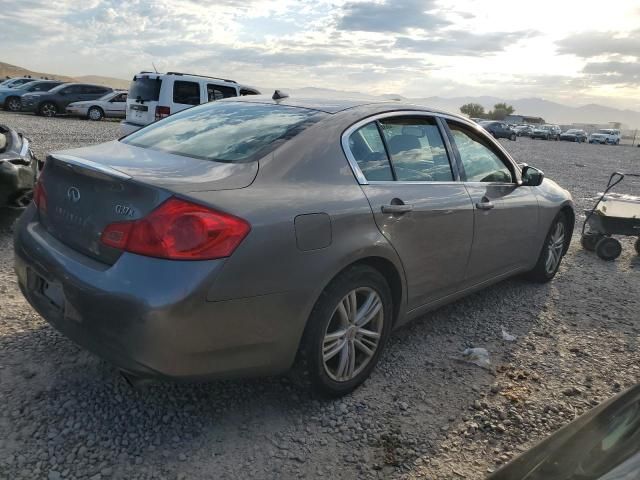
162, 112
40, 196
179, 230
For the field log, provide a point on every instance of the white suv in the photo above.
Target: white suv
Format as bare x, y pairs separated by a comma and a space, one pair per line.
153, 96
605, 135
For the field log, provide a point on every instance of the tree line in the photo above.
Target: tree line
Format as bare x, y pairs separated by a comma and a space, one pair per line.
499, 112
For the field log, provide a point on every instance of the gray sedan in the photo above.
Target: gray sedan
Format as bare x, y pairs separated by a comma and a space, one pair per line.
111, 105
248, 236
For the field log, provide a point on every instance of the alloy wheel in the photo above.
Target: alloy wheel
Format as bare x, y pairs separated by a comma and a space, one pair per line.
14, 104
353, 334
95, 114
48, 110
555, 246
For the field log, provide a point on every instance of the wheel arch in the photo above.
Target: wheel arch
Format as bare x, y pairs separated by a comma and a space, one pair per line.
570, 215
388, 269
95, 106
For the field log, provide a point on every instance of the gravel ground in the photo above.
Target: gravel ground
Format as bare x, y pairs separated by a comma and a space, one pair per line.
422, 414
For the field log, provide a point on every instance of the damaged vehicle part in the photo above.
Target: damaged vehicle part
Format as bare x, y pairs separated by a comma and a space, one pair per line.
18, 169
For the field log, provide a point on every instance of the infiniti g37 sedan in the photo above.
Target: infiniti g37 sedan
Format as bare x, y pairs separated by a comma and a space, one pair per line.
249, 236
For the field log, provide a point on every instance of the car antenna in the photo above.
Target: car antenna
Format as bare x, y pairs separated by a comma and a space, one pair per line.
279, 95
154, 67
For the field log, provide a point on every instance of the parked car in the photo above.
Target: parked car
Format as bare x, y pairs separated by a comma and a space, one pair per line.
11, 98
546, 132
609, 136
602, 444
153, 96
18, 168
523, 130
574, 135
499, 129
55, 101
16, 82
111, 105
247, 235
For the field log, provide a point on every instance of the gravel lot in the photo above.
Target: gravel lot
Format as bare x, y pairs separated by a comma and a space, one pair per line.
423, 414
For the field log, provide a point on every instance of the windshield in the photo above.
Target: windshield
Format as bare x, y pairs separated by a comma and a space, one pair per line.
145, 89
230, 132
26, 86
573, 131
606, 132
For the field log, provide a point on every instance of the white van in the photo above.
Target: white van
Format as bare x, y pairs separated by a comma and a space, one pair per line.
153, 96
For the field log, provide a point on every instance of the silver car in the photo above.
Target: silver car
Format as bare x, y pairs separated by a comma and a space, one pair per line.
248, 236
111, 105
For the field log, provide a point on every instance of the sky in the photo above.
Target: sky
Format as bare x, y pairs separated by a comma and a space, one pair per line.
573, 52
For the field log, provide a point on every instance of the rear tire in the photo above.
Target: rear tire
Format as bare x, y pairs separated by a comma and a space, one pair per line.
637, 245
553, 250
608, 248
589, 240
339, 349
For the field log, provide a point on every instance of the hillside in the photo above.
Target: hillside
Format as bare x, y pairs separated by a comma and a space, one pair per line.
8, 70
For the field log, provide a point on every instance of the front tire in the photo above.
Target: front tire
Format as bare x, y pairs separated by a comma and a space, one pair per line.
637, 246
95, 114
513, 137
346, 332
553, 251
48, 109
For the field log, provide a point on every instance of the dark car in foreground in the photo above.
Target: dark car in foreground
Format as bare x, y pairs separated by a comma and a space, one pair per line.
499, 129
602, 444
55, 101
246, 236
18, 168
11, 98
574, 135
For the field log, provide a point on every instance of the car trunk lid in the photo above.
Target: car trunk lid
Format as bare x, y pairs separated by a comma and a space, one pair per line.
87, 189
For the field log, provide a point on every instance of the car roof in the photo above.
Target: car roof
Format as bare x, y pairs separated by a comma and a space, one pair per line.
333, 106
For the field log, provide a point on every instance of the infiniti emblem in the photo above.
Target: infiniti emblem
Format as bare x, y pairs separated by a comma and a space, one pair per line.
73, 194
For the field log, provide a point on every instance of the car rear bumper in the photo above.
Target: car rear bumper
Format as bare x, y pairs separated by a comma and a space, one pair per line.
151, 317
128, 127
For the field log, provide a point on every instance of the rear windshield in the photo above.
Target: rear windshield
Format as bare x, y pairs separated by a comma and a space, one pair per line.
145, 89
231, 132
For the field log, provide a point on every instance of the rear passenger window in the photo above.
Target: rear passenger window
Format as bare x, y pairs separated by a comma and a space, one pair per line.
218, 92
368, 150
416, 148
187, 93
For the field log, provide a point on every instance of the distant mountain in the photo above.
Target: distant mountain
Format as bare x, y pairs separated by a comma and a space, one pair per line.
552, 112
8, 70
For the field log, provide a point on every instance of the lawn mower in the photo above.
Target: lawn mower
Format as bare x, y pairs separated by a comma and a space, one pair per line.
613, 214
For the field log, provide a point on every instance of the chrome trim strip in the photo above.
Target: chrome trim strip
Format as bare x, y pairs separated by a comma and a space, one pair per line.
411, 113
98, 167
25, 147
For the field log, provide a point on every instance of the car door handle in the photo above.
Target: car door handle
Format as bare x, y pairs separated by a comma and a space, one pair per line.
401, 208
485, 204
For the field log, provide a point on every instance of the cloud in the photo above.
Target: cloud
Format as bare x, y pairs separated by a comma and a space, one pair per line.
614, 72
594, 44
390, 16
459, 42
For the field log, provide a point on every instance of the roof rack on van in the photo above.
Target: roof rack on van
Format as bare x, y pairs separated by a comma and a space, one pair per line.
203, 76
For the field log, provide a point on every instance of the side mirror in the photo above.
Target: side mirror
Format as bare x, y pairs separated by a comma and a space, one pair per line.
531, 176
